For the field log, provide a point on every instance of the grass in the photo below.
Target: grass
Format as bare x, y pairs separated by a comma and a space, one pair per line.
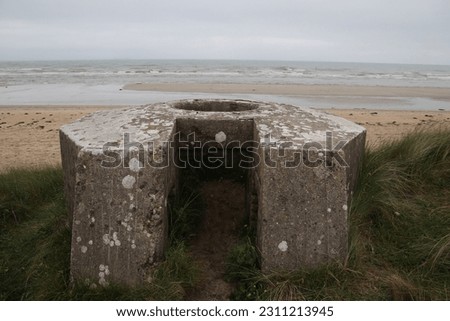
35, 247
185, 210
399, 233
399, 244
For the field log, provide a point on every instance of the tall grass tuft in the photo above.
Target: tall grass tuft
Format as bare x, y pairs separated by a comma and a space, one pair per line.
21, 191
34, 235
399, 232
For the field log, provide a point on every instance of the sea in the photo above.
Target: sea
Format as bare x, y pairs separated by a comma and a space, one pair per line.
99, 82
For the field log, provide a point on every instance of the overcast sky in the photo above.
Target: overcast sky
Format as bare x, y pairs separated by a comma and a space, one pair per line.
397, 31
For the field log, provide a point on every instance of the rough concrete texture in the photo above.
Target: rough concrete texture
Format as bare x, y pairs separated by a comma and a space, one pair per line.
300, 196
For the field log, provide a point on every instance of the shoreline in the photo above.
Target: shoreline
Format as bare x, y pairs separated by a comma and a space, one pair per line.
437, 93
316, 96
29, 135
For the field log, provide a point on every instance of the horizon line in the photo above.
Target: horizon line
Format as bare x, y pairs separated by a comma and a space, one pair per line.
216, 59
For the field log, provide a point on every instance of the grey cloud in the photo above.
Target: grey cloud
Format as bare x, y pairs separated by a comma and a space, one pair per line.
412, 31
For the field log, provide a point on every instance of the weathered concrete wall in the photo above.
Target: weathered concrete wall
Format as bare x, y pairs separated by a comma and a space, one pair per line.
120, 221
302, 215
118, 200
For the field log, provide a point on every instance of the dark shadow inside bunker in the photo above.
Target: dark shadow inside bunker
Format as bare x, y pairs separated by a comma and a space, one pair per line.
216, 179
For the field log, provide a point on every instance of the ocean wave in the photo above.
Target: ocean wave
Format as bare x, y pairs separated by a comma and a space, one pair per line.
120, 72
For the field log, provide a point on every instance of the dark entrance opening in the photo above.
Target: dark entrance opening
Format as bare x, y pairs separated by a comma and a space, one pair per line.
215, 163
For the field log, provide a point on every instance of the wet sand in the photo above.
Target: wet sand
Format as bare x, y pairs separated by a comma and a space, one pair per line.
29, 134
436, 93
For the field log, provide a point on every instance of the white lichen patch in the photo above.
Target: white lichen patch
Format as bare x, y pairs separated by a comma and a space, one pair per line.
106, 239
78, 239
125, 224
128, 181
314, 136
135, 165
220, 137
104, 271
329, 210
128, 217
90, 242
81, 208
344, 207
114, 241
84, 249
319, 242
283, 246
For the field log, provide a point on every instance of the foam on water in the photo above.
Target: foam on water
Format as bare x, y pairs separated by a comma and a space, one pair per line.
210, 71
98, 82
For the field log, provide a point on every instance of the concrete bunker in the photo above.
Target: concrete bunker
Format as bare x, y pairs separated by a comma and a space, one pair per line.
302, 167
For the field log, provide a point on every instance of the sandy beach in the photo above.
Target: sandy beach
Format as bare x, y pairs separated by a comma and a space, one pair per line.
29, 134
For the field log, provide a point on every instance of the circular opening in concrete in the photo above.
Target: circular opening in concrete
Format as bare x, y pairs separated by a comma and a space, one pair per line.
216, 105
